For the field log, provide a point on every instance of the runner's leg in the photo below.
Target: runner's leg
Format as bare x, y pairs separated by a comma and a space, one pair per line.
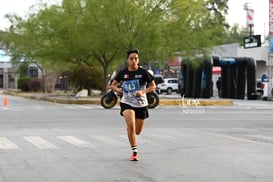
129, 116
139, 125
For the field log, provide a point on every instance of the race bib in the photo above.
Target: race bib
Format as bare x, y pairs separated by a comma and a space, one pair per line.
130, 86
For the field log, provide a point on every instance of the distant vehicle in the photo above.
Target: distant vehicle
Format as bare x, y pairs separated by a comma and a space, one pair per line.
169, 85
264, 85
158, 79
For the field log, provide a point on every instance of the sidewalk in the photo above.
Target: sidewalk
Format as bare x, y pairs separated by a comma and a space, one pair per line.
64, 98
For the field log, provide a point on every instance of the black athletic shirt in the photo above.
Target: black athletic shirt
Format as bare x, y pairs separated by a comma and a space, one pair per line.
131, 82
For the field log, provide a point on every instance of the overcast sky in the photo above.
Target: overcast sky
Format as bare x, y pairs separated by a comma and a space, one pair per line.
236, 13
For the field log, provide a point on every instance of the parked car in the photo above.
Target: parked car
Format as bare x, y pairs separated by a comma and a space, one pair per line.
169, 85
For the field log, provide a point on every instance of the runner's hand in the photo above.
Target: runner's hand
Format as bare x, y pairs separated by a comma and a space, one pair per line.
119, 91
139, 93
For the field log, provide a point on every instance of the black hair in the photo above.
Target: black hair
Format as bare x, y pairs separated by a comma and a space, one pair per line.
130, 51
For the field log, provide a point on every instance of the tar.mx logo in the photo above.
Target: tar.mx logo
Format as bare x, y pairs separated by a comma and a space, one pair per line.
191, 106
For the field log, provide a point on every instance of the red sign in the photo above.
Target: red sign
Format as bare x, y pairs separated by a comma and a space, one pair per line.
216, 69
271, 17
250, 17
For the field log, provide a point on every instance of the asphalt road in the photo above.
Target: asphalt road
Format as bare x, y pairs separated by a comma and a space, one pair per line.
48, 142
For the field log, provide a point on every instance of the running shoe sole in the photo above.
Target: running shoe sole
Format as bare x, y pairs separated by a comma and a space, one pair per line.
134, 158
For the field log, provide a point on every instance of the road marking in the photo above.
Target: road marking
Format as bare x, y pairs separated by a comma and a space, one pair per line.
261, 137
39, 142
7, 144
108, 140
4, 108
76, 142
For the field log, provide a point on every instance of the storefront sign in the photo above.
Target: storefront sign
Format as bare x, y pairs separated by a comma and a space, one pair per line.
252, 41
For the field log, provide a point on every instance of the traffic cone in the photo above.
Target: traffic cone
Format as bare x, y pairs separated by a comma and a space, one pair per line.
6, 102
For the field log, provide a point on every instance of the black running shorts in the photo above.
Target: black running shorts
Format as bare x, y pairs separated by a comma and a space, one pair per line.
141, 112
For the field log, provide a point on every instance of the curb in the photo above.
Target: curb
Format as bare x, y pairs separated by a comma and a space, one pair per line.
195, 102
162, 102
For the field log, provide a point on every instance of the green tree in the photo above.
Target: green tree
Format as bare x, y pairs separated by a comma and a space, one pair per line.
196, 25
99, 32
27, 42
116, 27
82, 77
235, 34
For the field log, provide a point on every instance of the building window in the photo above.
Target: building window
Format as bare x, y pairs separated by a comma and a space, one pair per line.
33, 72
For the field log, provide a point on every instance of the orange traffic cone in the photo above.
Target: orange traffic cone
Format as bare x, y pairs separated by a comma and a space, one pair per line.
6, 102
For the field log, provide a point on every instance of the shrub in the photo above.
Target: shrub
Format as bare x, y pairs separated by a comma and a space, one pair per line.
23, 83
86, 77
35, 85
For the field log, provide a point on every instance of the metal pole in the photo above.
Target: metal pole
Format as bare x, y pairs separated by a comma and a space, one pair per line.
270, 47
250, 30
270, 76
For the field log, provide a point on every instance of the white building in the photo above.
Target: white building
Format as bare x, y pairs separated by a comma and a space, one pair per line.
7, 73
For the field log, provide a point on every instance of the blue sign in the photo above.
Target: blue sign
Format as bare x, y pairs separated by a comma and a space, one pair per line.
157, 71
224, 60
271, 45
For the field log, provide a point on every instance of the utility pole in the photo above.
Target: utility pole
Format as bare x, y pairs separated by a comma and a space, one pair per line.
270, 55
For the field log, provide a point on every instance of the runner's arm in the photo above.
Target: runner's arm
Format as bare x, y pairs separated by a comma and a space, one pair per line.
115, 86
